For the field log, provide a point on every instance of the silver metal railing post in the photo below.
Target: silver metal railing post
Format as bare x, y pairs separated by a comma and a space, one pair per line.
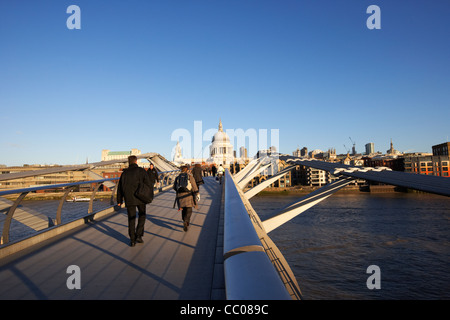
9, 216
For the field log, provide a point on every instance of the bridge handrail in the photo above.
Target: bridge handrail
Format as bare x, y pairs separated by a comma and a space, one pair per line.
53, 186
68, 188
70, 184
249, 273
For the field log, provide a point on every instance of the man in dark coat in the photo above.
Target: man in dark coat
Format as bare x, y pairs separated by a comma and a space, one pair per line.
152, 175
128, 184
197, 173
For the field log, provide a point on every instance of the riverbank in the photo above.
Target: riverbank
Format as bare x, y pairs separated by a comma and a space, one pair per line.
349, 189
295, 190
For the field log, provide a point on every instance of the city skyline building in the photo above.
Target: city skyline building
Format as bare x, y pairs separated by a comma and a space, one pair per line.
370, 148
221, 149
243, 154
391, 151
108, 155
436, 164
441, 149
297, 153
178, 155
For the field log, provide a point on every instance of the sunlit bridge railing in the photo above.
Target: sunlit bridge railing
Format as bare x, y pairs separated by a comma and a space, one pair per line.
63, 191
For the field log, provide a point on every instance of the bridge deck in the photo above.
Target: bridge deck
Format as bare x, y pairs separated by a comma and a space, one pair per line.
171, 264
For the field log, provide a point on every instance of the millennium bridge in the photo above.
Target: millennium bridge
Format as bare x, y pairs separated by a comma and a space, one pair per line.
227, 254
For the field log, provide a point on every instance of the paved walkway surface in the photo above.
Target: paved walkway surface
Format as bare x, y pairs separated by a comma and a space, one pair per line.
171, 264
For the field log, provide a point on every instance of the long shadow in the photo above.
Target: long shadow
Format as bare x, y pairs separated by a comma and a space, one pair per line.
104, 228
147, 230
138, 268
203, 259
209, 185
28, 283
163, 223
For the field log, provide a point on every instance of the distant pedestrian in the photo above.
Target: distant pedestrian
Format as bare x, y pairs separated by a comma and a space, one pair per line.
197, 173
129, 183
214, 170
153, 176
220, 173
186, 195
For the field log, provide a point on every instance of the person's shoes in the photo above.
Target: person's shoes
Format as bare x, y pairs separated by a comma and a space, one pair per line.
186, 224
132, 243
139, 240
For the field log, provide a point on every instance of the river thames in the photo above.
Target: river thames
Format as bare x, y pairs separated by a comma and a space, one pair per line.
330, 246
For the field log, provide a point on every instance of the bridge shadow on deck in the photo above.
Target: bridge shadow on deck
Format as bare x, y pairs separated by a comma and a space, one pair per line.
171, 264
211, 239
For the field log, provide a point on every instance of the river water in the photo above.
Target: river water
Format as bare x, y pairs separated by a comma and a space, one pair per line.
330, 246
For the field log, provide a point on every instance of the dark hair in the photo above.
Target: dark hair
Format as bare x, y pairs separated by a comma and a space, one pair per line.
132, 159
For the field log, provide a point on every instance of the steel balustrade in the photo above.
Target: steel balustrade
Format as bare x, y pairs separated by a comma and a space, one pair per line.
166, 180
67, 187
249, 272
427, 183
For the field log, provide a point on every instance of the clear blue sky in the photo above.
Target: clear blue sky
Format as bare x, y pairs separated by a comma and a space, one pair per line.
138, 70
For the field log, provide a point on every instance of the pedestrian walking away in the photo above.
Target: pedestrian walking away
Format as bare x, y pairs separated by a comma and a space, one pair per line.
153, 176
131, 181
197, 173
220, 173
186, 195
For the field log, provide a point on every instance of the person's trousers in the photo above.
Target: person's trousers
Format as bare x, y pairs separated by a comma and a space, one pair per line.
186, 214
133, 230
